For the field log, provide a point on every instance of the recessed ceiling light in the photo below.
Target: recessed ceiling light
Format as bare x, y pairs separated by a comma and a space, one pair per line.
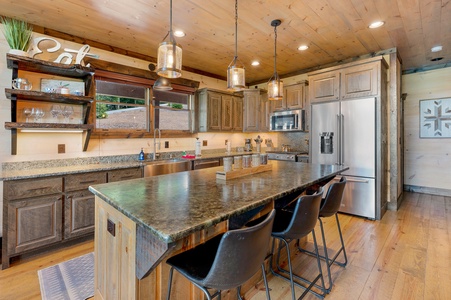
179, 33
255, 63
376, 24
436, 48
303, 47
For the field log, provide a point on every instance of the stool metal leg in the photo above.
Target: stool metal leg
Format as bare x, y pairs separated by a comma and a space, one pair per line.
292, 275
330, 261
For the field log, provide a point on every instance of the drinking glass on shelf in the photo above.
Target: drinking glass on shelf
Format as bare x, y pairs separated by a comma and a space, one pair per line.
67, 112
28, 112
38, 114
55, 110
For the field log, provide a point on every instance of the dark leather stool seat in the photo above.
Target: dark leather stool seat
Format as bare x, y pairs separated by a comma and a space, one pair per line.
291, 225
226, 261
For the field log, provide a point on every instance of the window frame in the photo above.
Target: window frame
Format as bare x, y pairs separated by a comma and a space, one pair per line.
147, 83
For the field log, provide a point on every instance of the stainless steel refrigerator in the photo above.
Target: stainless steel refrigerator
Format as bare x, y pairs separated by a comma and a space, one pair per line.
345, 132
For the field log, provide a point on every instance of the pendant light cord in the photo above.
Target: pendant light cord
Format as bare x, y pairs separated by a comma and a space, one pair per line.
236, 28
275, 52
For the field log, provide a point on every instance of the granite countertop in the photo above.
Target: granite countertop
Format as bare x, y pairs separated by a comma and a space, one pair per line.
55, 168
175, 205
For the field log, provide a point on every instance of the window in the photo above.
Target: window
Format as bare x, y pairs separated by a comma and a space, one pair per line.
172, 110
121, 106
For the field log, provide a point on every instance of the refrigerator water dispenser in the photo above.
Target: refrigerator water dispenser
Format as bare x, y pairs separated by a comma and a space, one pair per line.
327, 142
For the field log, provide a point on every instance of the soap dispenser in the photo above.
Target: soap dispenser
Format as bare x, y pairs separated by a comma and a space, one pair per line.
141, 154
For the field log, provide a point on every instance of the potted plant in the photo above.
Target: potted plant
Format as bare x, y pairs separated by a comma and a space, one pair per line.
18, 35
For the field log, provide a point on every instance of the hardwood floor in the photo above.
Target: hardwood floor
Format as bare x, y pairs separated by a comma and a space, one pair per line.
406, 255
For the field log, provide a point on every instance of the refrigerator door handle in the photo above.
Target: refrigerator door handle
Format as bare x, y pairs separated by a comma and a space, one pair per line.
338, 139
342, 139
357, 180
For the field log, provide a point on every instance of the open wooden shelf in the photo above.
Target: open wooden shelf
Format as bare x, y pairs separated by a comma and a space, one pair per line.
15, 94
47, 67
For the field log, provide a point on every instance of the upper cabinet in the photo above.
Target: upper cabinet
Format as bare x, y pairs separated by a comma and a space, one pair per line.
256, 110
218, 111
50, 106
354, 80
295, 97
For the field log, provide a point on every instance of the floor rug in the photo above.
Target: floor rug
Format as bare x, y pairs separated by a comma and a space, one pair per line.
69, 280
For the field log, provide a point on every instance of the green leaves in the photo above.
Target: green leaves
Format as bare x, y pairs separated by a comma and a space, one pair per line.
17, 33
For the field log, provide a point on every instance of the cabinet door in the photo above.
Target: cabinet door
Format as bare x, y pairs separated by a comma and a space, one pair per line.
360, 81
237, 114
34, 222
278, 104
214, 112
294, 96
226, 112
79, 210
265, 110
124, 174
251, 111
324, 86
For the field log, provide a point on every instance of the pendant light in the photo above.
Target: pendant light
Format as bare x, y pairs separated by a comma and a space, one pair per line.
162, 84
169, 62
235, 72
275, 85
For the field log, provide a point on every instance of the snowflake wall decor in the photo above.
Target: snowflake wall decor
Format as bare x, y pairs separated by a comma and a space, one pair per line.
435, 118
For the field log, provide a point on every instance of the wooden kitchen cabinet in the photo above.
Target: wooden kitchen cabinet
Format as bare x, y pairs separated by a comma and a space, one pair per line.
124, 174
295, 97
237, 113
215, 111
43, 211
32, 215
79, 203
360, 81
324, 86
43, 99
355, 80
256, 110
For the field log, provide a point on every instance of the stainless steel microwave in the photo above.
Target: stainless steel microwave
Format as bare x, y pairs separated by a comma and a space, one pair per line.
287, 120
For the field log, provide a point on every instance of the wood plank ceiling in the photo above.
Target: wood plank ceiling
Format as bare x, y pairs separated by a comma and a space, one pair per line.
334, 30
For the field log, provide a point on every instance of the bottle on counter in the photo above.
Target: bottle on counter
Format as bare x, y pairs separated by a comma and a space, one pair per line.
198, 149
141, 154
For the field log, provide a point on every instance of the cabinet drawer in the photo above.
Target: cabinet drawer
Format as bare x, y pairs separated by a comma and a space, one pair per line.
33, 223
28, 188
124, 174
83, 181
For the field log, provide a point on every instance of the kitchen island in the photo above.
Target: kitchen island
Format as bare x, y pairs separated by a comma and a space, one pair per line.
142, 222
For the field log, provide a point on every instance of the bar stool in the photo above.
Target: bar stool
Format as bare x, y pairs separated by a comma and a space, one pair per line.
329, 207
290, 225
226, 261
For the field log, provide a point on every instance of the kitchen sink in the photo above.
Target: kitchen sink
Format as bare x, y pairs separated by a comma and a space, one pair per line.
161, 167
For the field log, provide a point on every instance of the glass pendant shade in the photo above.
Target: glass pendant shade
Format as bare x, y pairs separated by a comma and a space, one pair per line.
236, 79
275, 89
169, 63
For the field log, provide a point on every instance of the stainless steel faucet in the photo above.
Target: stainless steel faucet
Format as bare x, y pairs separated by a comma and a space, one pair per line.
155, 143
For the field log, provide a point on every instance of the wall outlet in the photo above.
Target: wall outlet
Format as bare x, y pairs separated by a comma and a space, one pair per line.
166, 144
204, 143
61, 148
